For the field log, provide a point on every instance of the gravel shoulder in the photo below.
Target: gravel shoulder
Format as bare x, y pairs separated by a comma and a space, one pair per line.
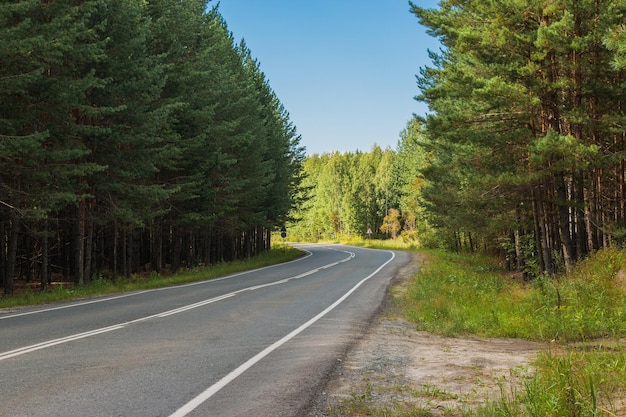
394, 366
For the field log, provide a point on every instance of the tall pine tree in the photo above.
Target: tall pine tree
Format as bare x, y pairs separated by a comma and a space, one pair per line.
523, 93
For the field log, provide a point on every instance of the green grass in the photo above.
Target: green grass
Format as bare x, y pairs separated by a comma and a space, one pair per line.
581, 316
384, 244
575, 383
101, 286
472, 295
582, 313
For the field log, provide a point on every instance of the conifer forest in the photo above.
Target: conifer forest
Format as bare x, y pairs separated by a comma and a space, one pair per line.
522, 154
134, 136
139, 136
527, 136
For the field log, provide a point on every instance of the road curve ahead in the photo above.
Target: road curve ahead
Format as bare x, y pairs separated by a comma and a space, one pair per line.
253, 344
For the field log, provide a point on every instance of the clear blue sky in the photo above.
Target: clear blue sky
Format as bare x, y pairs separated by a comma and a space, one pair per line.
344, 69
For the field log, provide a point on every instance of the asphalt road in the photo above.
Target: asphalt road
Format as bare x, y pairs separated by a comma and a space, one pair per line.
254, 344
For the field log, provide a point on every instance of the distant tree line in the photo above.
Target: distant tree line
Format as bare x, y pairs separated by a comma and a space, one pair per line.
373, 194
346, 195
134, 136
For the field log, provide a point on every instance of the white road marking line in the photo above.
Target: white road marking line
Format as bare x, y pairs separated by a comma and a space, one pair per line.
196, 305
100, 300
50, 343
78, 336
212, 390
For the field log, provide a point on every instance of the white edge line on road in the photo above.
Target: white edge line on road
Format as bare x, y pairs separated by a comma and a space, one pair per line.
71, 338
100, 300
78, 336
212, 390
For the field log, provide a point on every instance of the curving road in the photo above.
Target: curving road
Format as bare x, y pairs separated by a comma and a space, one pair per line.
253, 344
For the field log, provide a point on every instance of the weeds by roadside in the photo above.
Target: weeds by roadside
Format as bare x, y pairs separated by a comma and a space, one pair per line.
580, 316
470, 295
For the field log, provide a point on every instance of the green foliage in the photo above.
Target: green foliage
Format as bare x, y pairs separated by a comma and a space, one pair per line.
44, 109
581, 314
588, 303
391, 223
458, 294
133, 136
587, 382
526, 134
349, 194
561, 153
407, 171
616, 41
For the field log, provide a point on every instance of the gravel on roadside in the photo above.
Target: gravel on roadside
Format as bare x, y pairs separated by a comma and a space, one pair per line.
393, 365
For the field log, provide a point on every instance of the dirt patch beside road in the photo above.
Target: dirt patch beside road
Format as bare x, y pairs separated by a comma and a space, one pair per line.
394, 365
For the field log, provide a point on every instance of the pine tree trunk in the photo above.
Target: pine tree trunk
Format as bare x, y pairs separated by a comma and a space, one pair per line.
28, 243
564, 223
124, 252
580, 228
130, 255
43, 274
12, 253
519, 263
543, 235
3, 254
116, 239
219, 254
191, 249
246, 243
155, 246
618, 194
79, 245
260, 239
207, 249
590, 214
89, 248
176, 247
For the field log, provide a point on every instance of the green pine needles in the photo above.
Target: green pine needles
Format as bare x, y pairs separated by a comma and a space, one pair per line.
135, 136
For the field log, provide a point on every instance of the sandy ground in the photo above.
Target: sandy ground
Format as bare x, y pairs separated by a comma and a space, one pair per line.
394, 365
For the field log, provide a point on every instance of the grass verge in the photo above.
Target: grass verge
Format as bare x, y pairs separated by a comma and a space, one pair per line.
581, 316
101, 286
471, 295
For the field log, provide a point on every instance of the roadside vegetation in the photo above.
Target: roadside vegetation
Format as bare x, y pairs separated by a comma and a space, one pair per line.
580, 316
581, 313
65, 291
521, 155
460, 295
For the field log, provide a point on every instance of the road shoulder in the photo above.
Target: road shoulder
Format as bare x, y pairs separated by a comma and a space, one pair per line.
393, 366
